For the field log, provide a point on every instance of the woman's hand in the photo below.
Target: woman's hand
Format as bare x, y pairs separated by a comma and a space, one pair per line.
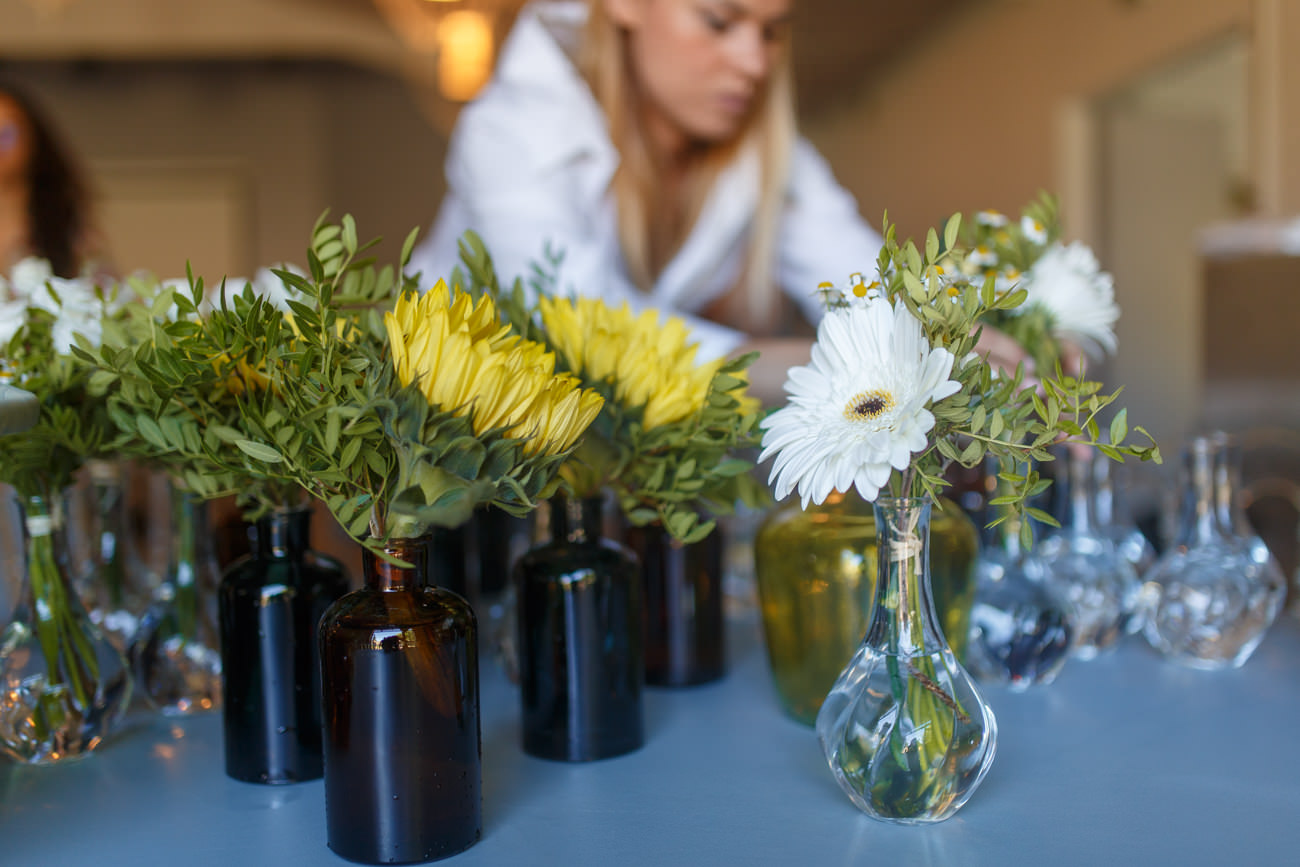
1005, 353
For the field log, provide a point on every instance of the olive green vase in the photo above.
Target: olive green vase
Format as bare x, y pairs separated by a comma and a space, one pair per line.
816, 572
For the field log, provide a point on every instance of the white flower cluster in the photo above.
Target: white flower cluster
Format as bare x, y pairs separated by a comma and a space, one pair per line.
77, 305
1067, 282
860, 409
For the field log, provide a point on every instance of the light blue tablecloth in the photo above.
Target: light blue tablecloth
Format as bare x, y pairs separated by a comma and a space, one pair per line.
1124, 760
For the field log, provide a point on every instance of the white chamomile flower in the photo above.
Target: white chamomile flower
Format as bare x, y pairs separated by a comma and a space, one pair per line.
12, 316
1034, 231
77, 310
1068, 283
993, 219
28, 276
981, 257
859, 410
859, 291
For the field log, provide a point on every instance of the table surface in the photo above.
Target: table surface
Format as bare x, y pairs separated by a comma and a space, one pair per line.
1126, 759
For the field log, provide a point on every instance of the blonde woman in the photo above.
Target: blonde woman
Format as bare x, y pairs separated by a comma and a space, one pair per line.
654, 143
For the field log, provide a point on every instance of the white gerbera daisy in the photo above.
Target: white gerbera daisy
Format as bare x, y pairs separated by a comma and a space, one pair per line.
1068, 283
858, 411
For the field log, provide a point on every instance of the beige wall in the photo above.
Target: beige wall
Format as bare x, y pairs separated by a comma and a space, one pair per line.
289, 139
971, 118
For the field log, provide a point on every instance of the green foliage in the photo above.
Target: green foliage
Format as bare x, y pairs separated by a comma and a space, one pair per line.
74, 425
993, 414
267, 403
992, 245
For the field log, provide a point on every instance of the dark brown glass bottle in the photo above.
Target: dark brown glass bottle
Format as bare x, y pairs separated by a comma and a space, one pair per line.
399, 663
684, 628
270, 604
580, 657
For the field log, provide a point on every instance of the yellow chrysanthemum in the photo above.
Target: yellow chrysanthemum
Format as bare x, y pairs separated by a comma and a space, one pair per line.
646, 363
464, 360
243, 377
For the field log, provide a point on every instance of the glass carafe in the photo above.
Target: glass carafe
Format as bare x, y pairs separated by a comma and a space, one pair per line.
1082, 566
1213, 594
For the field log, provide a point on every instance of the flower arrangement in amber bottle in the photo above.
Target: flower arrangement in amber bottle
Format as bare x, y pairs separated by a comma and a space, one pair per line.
399, 411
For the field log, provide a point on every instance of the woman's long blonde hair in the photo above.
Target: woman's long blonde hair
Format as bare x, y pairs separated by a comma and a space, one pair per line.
648, 233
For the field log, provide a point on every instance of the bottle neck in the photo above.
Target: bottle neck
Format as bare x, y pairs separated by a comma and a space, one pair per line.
409, 574
1104, 507
1079, 517
43, 516
1227, 484
902, 595
577, 521
191, 543
282, 534
1198, 519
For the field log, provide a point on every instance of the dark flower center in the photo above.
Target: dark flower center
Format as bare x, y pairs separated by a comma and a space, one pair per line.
868, 405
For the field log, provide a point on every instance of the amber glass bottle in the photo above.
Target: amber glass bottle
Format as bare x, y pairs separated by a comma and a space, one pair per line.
399, 663
271, 602
684, 632
580, 657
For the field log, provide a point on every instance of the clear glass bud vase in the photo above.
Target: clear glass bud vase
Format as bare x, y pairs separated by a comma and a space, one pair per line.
1213, 594
1110, 508
175, 653
113, 581
904, 729
1082, 566
63, 686
1020, 633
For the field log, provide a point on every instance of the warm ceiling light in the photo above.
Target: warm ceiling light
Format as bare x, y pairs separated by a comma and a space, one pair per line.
464, 54
459, 35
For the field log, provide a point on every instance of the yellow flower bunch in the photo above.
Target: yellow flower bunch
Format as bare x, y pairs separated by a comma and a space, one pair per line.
645, 363
464, 360
239, 376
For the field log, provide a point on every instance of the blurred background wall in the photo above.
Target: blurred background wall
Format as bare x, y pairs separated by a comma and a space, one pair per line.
216, 133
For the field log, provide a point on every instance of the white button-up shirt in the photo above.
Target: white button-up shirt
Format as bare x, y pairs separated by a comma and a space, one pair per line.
530, 163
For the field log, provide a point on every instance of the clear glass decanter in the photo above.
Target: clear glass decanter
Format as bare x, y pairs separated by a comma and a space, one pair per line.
1020, 633
1213, 594
175, 653
1110, 509
1083, 567
113, 580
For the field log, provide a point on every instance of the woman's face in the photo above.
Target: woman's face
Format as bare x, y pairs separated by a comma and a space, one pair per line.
15, 138
702, 64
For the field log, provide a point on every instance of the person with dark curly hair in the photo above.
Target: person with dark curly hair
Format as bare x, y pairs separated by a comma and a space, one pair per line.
44, 200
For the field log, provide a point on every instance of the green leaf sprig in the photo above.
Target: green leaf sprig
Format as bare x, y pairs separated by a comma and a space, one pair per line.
993, 414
